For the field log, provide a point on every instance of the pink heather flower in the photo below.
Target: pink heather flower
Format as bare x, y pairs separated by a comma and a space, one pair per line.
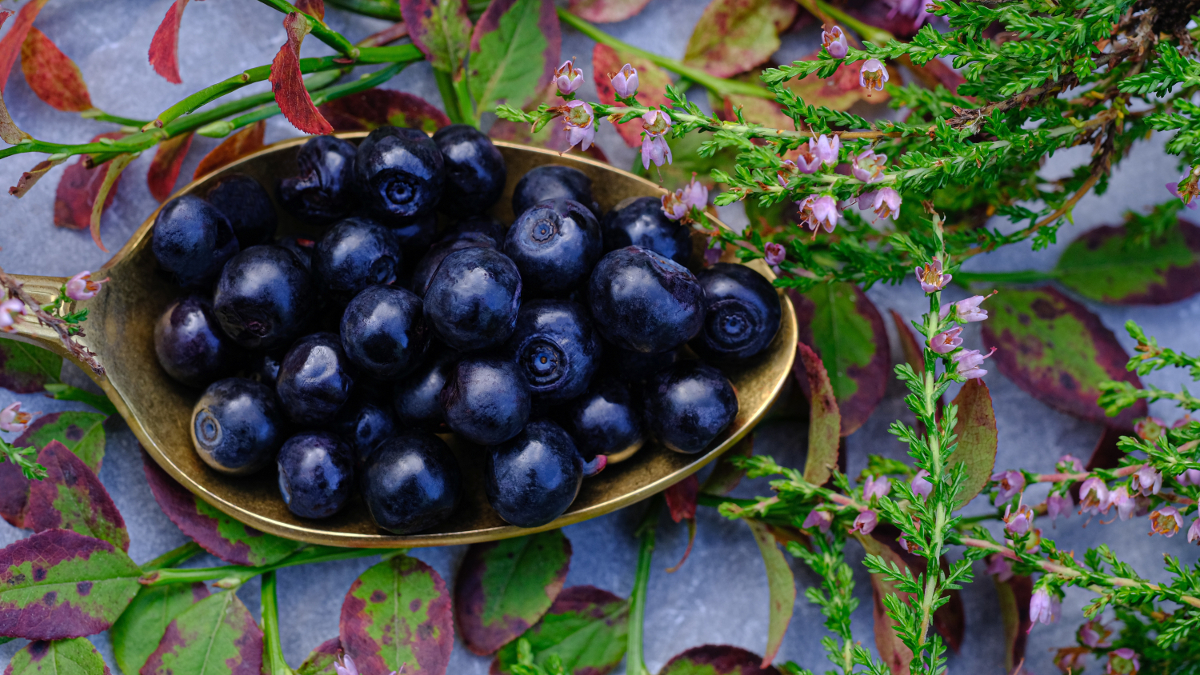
343, 664
920, 486
868, 166
865, 522
785, 173
655, 150
1070, 463
1189, 477
1123, 661
656, 123
1194, 532
695, 194
1094, 634
969, 360
712, 254
931, 276
1182, 422
1058, 505
817, 211
625, 83
568, 78
819, 519
81, 287
944, 343
876, 488
1093, 496
1018, 523
873, 75
1149, 428
1189, 186
807, 160
1120, 498
674, 205
12, 419
774, 253
999, 566
1011, 485
1044, 608
834, 41
907, 545
10, 313
828, 148
966, 311
1146, 481
917, 9
885, 202
580, 124
1166, 521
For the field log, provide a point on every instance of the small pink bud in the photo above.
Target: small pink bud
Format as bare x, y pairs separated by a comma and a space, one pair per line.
1194, 532
774, 253
1166, 521
818, 211
1011, 485
695, 194
1070, 464
969, 360
966, 311
1044, 608
876, 488
873, 75
920, 486
1119, 497
819, 519
1123, 661
12, 419
568, 78
827, 149
1147, 481
944, 343
1094, 634
1000, 566
625, 83
1189, 477
10, 313
931, 276
834, 41
868, 166
865, 522
580, 124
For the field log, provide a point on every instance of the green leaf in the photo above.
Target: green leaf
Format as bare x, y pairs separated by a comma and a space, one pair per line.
397, 616
585, 629
824, 422
215, 636
977, 438
504, 587
782, 586
135, 636
1108, 265
81, 432
440, 29
71, 497
65, 392
734, 36
59, 657
514, 51
25, 369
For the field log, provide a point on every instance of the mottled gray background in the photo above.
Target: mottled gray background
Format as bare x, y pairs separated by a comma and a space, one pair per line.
720, 595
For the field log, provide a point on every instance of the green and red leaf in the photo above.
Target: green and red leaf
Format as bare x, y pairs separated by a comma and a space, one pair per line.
585, 628
734, 36
824, 422
312, 8
376, 108
59, 657
52, 75
977, 438
397, 616
652, 85
168, 161
14, 39
9, 131
440, 29
321, 660
504, 587
1014, 596
287, 82
1107, 265
79, 188
136, 635
781, 584
215, 531
606, 11
81, 432
244, 142
164, 46
58, 584
717, 660
515, 48
25, 369
215, 636
70, 497
1058, 352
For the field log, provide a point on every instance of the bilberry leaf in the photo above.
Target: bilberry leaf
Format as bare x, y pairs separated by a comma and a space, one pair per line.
781, 584
215, 636
25, 369
164, 46
606, 11
376, 108
288, 82
312, 8
1014, 596
717, 660
70, 497
13, 40
111, 171
164, 169
652, 83
681, 504
78, 189
824, 422
515, 48
1106, 265
30, 178
58, 657
321, 660
440, 29
81, 432
585, 628
734, 36
977, 438
244, 142
135, 636
52, 75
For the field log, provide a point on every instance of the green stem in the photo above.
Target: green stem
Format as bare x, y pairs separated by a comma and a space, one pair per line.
867, 31
1019, 277
232, 576
635, 663
450, 102
319, 29
101, 116
176, 556
717, 85
379, 9
273, 661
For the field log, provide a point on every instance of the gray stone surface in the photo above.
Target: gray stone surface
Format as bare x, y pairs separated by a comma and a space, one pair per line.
720, 595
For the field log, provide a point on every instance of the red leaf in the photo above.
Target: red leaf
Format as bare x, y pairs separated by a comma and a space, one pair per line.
4, 14
164, 46
681, 498
32, 176
376, 108
164, 170
71, 497
825, 422
10, 46
52, 75
77, 191
9, 131
236, 146
108, 188
734, 36
288, 83
312, 8
652, 85
691, 527
607, 11
1014, 595
14, 494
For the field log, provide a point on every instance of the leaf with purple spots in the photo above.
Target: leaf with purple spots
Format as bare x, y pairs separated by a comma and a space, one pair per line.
137, 633
397, 616
585, 628
1108, 265
320, 661
504, 587
60, 657
216, 532
717, 660
81, 432
71, 497
59, 584
25, 369
216, 636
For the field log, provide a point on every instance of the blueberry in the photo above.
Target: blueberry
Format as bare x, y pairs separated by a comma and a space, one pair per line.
688, 404
429, 263
555, 245
415, 236
742, 313
316, 474
486, 399
384, 332
473, 298
363, 425
301, 248
636, 366
247, 206
192, 240
356, 253
324, 190
236, 426
263, 297
475, 170
190, 345
314, 379
557, 348
400, 172
417, 398
481, 224
412, 483
551, 181
640, 221
644, 302
532, 479
606, 420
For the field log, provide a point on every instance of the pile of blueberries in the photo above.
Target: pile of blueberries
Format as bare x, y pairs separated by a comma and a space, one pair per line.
555, 345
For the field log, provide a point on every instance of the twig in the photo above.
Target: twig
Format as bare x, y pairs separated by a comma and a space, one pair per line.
87, 356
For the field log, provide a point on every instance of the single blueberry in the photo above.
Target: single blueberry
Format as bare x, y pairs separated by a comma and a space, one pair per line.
301, 248
363, 425
555, 245
246, 204
473, 298
429, 263
316, 474
486, 399
481, 224
355, 253
263, 297
475, 170
644, 302
314, 379
417, 398
552, 181
640, 221
384, 331
191, 346
412, 483
688, 405
557, 348
324, 190
742, 313
401, 173
236, 426
533, 478
192, 240
606, 420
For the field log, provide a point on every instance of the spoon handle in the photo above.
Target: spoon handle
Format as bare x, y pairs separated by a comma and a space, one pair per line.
42, 291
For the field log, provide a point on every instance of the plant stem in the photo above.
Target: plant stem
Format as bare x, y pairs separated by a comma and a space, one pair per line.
319, 29
634, 661
450, 100
176, 556
101, 116
867, 31
717, 85
379, 9
232, 576
273, 661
